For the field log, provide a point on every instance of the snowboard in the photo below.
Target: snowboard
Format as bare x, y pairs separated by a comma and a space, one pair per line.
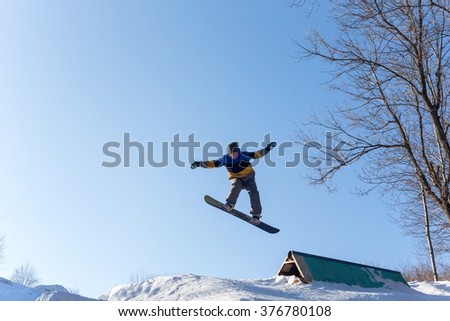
247, 218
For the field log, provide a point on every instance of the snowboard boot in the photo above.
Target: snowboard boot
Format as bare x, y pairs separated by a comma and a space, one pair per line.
255, 219
228, 207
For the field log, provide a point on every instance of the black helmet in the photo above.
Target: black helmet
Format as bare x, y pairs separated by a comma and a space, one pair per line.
233, 147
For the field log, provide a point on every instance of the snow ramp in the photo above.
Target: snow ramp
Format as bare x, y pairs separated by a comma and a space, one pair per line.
311, 268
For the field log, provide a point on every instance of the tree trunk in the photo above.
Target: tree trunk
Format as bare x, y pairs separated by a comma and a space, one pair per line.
428, 235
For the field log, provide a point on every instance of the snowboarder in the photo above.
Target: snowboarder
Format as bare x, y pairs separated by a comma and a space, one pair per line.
241, 175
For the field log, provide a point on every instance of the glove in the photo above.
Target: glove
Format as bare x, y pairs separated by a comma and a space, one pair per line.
194, 165
270, 146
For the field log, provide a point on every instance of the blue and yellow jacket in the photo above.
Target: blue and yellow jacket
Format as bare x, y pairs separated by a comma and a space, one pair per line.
239, 167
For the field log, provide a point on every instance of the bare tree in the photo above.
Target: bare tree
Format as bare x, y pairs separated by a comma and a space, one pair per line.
25, 275
391, 59
310, 5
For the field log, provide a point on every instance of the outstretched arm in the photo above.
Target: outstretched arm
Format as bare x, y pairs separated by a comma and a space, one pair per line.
207, 164
262, 152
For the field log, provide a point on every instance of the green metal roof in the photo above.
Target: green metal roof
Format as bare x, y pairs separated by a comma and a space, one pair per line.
311, 267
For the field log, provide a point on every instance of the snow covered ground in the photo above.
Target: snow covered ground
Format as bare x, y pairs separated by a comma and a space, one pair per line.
204, 288
201, 288
10, 291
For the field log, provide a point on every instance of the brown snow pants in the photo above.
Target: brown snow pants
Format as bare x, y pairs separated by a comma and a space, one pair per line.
249, 183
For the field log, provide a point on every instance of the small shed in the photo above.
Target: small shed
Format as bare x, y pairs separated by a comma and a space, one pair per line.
309, 268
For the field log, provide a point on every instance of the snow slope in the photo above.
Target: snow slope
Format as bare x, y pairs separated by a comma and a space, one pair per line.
204, 288
10, 291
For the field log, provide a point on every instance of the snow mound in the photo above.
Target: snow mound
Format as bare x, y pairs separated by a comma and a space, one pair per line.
62, 296
11, 291
202, 288
439, 289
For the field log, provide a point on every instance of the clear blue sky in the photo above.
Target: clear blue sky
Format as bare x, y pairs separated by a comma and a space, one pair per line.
75, 75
